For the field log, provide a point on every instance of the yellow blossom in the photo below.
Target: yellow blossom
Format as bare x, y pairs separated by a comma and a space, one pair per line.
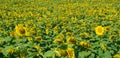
68, 34
116, 56
112, 37
71, 53
107, 28
38, 38
60, 36
61, 52
58, 41
71, 40
99, 30
48, 25
55, 29
29, 38
20, 30
10, 50
82, 21
74, 19
12, 34
36, 47
85, 44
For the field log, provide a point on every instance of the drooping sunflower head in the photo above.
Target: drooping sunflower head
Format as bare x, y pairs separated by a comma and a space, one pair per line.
111, 38
72, 40
20, 30
37, 47
99, 30
38, 38
61, 52
71, 53
58, 41
11, 50
85, 44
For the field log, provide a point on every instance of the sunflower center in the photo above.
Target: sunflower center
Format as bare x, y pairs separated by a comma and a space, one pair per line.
22, 31
99, 30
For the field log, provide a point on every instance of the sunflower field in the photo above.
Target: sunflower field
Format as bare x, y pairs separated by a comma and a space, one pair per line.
59, 28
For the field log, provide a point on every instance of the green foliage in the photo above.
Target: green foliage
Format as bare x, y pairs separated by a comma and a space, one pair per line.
44, 20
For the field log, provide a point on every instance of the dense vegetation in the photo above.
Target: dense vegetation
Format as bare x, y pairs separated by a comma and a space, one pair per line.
60, 29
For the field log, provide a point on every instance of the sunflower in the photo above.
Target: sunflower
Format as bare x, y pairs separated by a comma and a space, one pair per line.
29, 38
58, 41
99, 30
12, 34
71, 53
85, 44
38, 38
20, 30
61, 52
60, 36
48, 25
71, 40
116, 56
112, 37
11, 51
37, 47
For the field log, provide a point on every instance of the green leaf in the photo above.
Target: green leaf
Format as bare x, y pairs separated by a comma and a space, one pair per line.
48, 54
92, 55
112, 52
107, 55
84, 54
100, 52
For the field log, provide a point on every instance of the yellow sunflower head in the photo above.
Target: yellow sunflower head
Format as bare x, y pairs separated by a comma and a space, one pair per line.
71, 40
61, 52
12, 34
38, 38
112, 37
99, 30
37, 47
116, 56
20, 30
10, 50
58, 41
71, 53
85, 44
